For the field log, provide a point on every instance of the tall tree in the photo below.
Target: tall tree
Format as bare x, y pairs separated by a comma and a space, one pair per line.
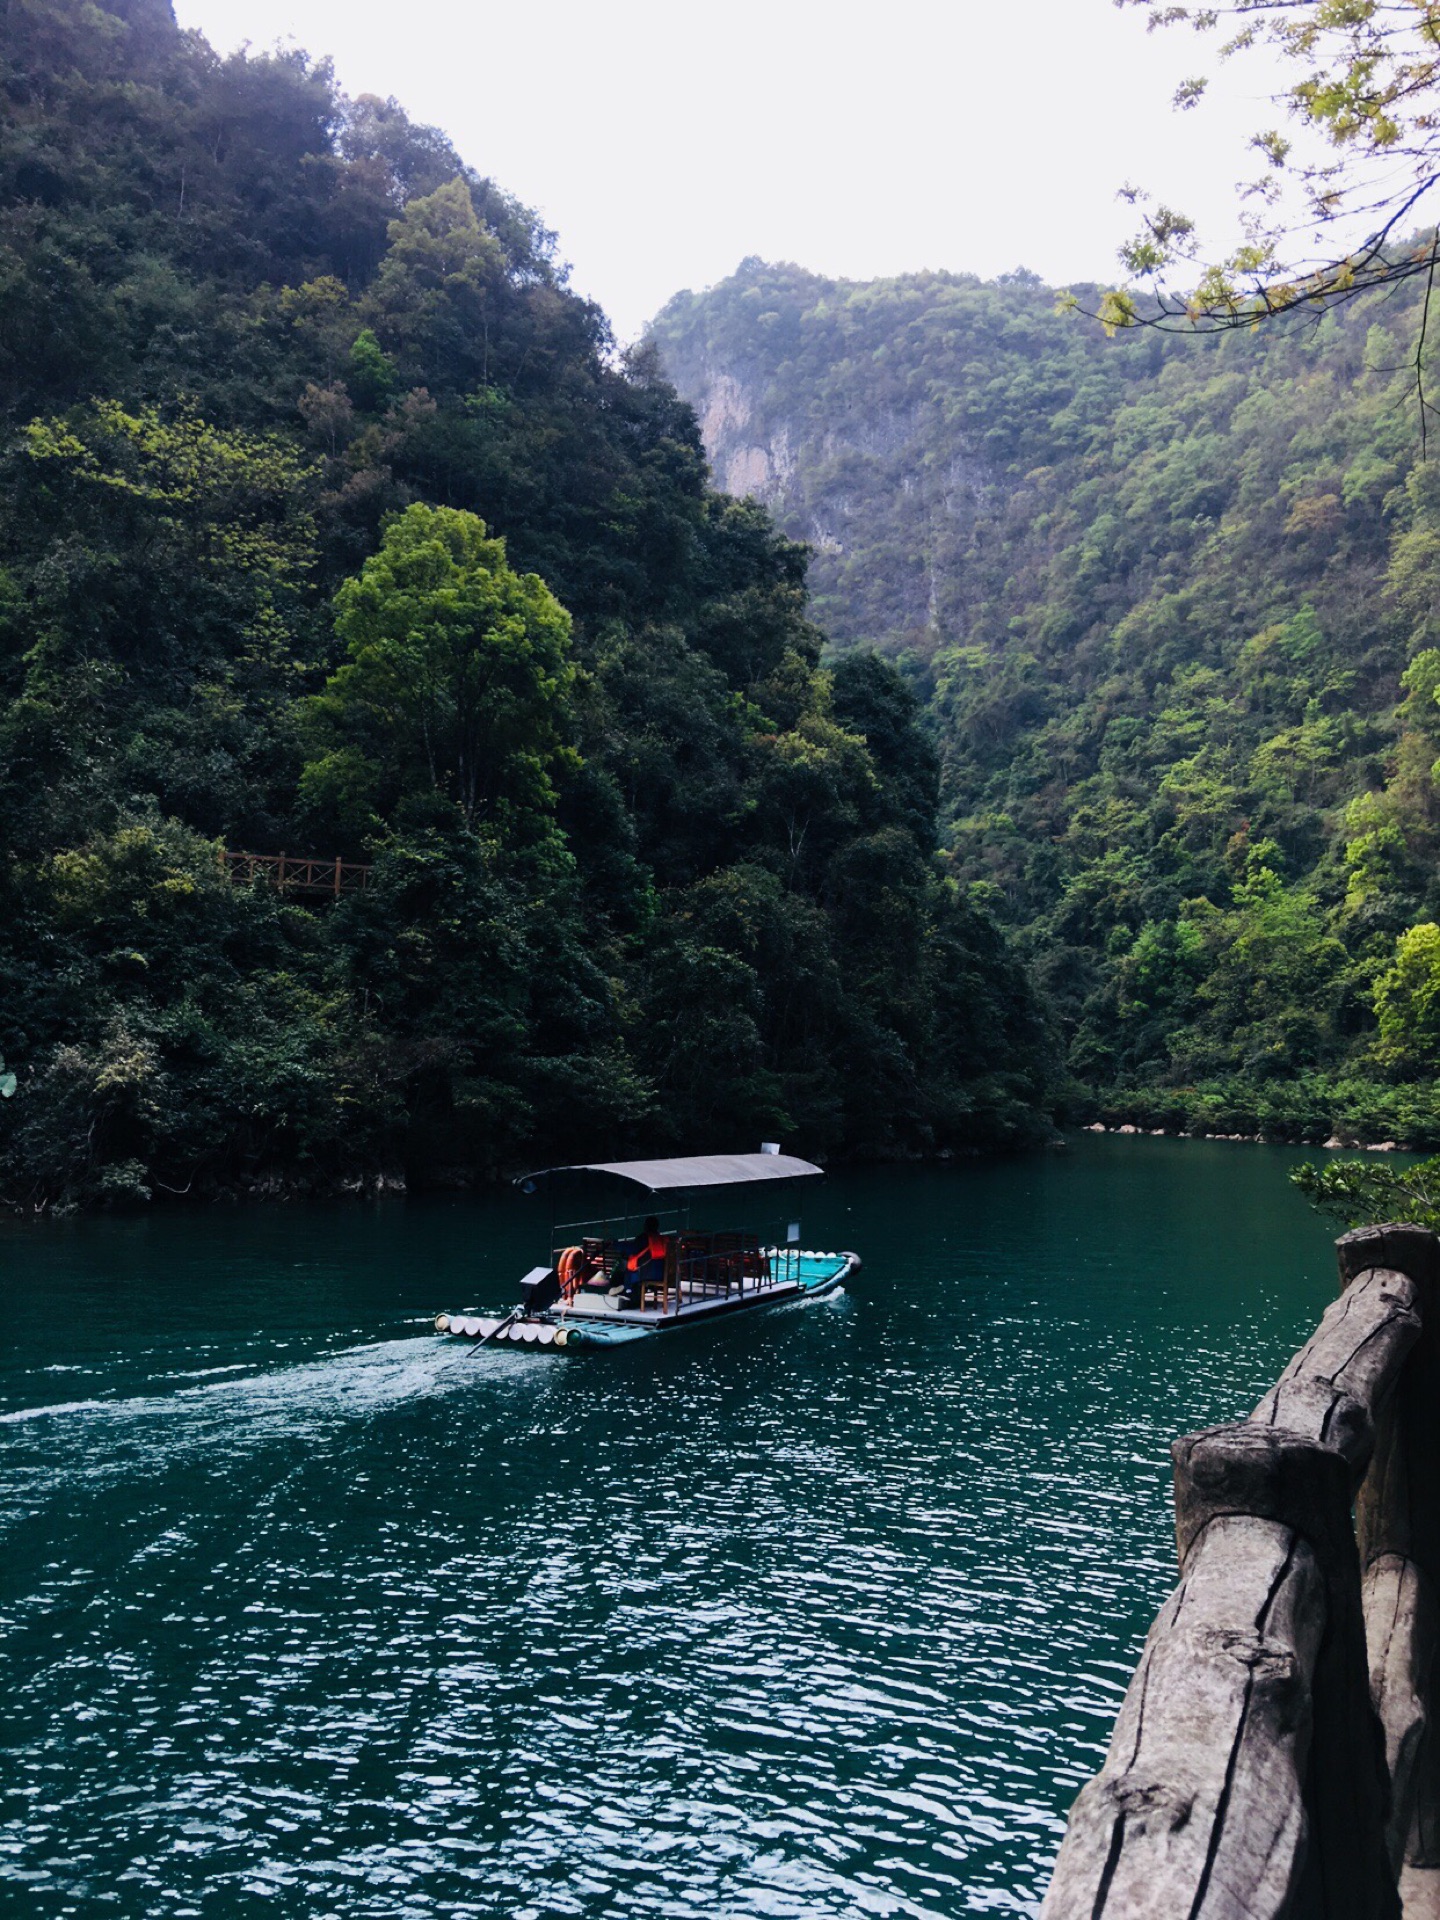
458, 678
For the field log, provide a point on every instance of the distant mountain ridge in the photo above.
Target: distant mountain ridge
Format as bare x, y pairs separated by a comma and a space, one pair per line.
1172, 604
834, 403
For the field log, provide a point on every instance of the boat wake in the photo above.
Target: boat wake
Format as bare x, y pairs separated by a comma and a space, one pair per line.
58, 1406
348, 1383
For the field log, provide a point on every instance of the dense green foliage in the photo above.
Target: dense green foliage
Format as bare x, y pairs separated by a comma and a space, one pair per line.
1172, 603
330, 520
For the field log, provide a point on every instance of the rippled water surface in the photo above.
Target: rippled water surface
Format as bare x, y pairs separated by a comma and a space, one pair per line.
304, 1611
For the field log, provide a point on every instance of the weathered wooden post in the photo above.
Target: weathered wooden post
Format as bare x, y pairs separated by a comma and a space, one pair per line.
1397, 1523
1336, 1393
1246, 1778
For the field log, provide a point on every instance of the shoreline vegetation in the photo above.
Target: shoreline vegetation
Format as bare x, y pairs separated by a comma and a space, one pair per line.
1335, 1142
1313, 1111
275, 1189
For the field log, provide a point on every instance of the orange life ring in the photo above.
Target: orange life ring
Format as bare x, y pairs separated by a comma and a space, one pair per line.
571, 1268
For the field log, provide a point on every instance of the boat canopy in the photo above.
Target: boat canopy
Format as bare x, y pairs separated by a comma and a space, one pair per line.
699, 1170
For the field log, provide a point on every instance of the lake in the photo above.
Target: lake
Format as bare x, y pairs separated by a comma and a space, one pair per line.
305, 1611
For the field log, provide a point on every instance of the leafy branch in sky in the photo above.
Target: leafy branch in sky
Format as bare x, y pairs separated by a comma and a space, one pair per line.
1358, 156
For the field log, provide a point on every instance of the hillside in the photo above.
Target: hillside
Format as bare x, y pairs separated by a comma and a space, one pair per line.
1171, 606
330, 521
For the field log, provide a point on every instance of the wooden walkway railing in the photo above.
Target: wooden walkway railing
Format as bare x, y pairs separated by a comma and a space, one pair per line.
292, 874
1273, 1758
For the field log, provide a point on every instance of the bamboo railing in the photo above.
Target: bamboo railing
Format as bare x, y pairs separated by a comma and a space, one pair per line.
292, 874
1273, 1757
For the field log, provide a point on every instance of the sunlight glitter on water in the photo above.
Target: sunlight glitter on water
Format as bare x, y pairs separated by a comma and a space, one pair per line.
304, 1610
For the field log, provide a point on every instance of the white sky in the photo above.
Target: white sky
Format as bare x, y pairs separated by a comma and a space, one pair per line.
664, 140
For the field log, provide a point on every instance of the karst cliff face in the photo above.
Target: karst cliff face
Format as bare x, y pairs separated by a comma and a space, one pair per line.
864, 457
746, 457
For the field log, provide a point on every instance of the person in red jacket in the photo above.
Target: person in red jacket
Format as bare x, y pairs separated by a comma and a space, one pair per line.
645, 1261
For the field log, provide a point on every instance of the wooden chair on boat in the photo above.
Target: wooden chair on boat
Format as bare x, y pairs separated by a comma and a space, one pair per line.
727, 1261
693, 1261
657, 1293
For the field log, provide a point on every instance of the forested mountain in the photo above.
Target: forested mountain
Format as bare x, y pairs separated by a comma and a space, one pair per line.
1172, 605
331, 521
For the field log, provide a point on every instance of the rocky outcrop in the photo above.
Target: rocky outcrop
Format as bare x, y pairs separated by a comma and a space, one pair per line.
870, 466
744, 459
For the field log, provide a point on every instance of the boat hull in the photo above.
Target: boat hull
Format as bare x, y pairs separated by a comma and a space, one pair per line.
594, 1330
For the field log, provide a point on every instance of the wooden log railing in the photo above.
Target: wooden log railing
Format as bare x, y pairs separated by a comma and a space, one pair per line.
291, 873
1274, 1757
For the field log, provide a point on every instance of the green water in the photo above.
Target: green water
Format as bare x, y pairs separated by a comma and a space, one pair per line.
306, 1612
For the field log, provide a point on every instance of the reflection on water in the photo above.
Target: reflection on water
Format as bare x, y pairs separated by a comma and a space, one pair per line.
305, 1611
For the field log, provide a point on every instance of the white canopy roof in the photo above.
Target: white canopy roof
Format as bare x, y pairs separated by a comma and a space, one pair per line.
699, 1170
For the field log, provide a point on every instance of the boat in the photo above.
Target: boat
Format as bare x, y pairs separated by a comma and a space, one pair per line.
622, 1278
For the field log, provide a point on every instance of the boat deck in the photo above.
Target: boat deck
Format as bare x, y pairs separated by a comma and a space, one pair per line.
800, 1275
590, 1319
